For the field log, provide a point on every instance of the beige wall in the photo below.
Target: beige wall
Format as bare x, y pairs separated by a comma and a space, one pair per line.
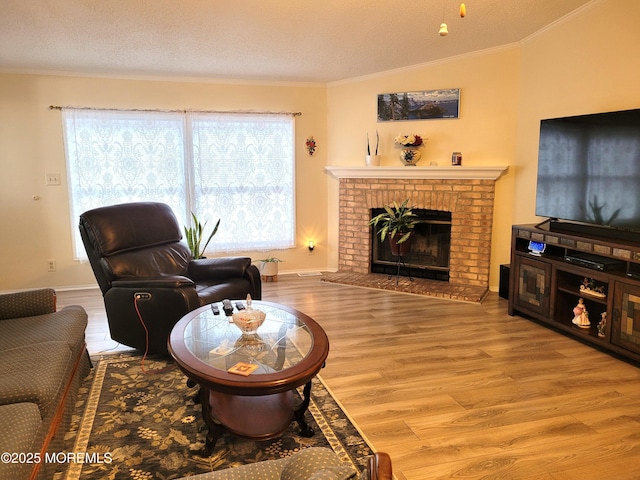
485, 131
586, 63
34, 231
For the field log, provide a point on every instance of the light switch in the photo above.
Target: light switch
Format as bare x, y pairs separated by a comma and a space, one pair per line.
53, 179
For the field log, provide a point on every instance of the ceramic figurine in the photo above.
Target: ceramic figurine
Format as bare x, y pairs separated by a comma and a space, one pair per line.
580, 315
602, 326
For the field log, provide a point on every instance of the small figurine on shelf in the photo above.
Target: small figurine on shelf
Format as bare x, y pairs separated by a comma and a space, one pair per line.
602, 326
580, 315
590, 288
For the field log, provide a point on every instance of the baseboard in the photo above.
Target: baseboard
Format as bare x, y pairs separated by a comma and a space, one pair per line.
67, 288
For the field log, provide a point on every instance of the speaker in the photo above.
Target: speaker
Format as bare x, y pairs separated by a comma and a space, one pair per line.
503, 290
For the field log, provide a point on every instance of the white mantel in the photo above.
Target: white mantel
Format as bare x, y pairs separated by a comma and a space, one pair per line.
430, 172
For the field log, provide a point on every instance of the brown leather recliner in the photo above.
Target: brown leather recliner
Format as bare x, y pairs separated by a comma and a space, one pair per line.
138, 259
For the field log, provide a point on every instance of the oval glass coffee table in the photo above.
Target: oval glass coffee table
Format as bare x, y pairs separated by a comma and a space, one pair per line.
247, 380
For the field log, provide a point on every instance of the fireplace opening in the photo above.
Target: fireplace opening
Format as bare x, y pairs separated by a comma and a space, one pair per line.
429, 253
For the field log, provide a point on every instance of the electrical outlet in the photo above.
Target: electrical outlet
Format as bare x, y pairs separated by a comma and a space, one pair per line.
53, 179
51, 265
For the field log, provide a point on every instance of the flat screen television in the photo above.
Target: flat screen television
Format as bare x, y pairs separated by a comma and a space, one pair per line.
589, 172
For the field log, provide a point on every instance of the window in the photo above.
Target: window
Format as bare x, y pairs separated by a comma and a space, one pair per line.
236, 167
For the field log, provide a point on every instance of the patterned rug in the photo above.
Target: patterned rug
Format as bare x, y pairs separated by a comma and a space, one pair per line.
139, 421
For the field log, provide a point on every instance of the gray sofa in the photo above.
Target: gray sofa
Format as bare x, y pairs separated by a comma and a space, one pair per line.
43, 359
316, 463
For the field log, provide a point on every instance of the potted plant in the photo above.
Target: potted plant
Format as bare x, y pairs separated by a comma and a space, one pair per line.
397, 222
194, 235
373, 160
269, 267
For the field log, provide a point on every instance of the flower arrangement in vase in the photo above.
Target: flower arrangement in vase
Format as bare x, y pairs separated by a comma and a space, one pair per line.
409, 153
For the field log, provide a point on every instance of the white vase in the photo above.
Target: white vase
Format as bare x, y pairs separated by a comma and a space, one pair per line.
410, 156
372, 160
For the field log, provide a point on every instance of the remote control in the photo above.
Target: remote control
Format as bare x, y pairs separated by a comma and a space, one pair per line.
227, 307
239, 305
215, 309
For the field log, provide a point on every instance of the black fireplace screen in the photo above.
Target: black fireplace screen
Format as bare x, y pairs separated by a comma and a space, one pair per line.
428, 256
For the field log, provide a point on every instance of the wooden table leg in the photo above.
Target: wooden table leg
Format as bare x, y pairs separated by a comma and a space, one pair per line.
214, 427
298, 414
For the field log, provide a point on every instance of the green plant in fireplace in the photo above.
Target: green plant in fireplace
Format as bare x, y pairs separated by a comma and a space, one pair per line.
395, 220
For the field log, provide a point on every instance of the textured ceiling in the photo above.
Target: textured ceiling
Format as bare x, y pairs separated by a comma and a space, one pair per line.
257, 40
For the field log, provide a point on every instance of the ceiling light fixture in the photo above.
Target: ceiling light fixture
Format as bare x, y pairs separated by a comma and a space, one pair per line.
444, 31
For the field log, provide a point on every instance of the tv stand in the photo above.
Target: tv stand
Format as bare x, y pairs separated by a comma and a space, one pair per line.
548, 287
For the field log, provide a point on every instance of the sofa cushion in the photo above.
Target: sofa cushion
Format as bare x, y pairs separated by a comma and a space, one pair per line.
67, 325
35, 373
334, 473
315, 463
19, 430
318, 464
265, 470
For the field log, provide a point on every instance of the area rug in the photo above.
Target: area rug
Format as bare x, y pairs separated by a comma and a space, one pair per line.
140, 421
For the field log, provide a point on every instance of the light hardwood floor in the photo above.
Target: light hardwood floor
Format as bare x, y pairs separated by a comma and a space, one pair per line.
460, 390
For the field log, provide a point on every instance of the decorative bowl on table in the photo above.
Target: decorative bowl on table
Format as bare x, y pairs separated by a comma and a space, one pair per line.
249, 320
251, 343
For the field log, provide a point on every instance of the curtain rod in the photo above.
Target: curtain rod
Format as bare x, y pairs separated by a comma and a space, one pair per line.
57, 107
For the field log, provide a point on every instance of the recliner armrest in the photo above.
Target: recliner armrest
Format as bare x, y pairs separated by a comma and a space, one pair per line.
218, 268
169, 281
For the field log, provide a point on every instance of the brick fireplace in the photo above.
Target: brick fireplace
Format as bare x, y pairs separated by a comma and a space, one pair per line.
467, 192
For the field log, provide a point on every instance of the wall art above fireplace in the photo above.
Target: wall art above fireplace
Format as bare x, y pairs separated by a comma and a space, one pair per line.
423, 105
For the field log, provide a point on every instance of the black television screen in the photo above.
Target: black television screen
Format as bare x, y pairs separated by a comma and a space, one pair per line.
589, 169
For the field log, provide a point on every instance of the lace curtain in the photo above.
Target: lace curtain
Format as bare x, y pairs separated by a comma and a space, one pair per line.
236, 167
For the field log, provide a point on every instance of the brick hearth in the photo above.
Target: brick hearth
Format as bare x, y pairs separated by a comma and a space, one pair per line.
470, 201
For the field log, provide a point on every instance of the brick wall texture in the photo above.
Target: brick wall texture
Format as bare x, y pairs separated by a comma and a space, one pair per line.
469, 201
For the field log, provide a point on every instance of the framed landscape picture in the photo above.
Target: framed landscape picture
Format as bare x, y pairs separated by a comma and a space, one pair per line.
424, 105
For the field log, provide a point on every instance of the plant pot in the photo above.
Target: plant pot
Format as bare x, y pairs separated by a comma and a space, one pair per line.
269, 270
400, 249
372, 160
